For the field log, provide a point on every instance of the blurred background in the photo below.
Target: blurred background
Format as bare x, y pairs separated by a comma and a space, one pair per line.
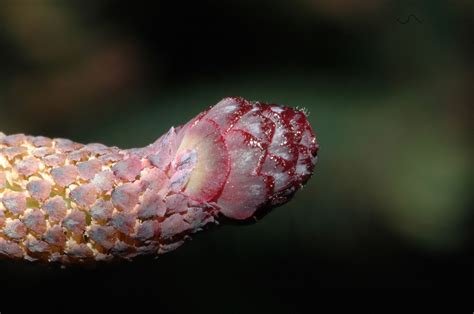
389, 87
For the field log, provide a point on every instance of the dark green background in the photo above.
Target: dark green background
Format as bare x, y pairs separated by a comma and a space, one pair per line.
390, 203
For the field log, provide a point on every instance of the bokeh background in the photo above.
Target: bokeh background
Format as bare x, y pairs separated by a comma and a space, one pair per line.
390, 204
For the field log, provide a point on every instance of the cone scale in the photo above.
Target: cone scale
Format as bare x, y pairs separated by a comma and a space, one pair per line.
66, 202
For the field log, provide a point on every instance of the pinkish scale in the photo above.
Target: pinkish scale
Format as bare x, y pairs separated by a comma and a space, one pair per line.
125, 196
55, 236
39, 189
88, 169
15, 229
103, 235
151, 205
42, 151
66, 146
154, 179
14, 140
104, 180
55, 208
12, 152
165, 148
128, 169
35, 221
84, 195
177, 203
148, 230
102, 210
64, 176
36, 246
15, 202
173, 225
79, 251
27, 167
124, 222
11, 249
54, 160
41, 141
75, 222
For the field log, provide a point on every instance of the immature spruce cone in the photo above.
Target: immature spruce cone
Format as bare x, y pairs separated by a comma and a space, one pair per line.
68, 202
